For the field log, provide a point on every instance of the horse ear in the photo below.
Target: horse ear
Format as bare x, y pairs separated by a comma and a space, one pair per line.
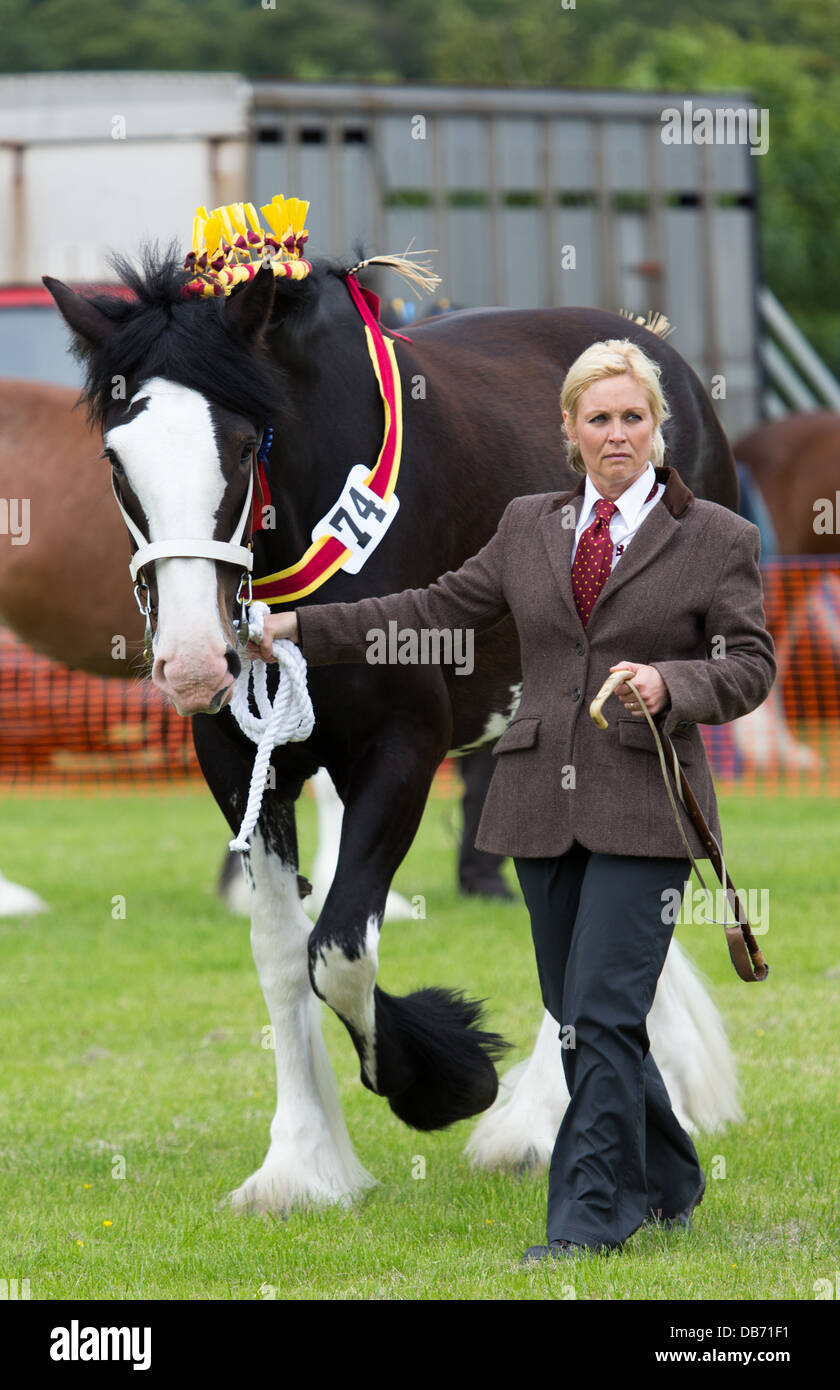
86, 321
247, 311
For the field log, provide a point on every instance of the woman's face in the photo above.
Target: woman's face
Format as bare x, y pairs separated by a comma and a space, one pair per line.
614, 431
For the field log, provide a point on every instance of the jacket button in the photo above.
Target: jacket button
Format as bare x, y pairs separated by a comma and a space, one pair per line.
579, 648
576, 694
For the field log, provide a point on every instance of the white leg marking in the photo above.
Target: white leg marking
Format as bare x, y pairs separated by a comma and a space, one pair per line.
691, 1049
237, 895
494, 726
310, 1160
17, 901
764, 738
330, 810
522, 1123
689, 1045
347, 985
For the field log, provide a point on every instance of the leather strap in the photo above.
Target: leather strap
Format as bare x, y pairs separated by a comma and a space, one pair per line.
743, 948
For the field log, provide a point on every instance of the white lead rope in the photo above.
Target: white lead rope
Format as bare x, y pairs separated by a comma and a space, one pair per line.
290, 719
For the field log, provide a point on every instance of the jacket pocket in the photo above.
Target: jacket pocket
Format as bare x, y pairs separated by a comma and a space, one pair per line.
635, 733
521, 733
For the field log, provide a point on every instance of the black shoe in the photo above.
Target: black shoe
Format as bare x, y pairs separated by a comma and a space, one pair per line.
556, 1250
682, 1218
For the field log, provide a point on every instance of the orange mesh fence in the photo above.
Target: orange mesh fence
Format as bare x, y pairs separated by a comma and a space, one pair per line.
65, 732
792, 742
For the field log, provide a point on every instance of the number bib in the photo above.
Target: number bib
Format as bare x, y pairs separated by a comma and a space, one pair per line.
358, 520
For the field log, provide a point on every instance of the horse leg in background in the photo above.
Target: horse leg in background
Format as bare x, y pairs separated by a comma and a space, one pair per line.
764, 739
310, 1160
479, 873
689, 1046
424, 1052
17, 901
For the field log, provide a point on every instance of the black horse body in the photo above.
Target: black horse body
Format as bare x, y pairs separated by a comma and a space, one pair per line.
482, 424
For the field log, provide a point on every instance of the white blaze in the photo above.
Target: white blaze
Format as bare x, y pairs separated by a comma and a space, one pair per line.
172, 465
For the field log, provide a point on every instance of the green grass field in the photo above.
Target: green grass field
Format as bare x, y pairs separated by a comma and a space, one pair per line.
136, 1093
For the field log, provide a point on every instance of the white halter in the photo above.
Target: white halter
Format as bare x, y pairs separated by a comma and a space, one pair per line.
231, 551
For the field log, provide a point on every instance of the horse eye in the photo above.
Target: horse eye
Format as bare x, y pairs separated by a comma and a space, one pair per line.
246, 453
116, 466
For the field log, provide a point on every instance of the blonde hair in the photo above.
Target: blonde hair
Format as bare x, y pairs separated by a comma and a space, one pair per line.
615, 357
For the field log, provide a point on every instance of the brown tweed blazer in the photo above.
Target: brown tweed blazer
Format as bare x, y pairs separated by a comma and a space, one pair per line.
688, 579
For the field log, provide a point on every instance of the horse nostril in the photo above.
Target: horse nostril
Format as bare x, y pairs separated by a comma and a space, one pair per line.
234, 664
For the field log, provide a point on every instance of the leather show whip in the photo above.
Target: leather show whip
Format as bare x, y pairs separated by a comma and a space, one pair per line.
743, 948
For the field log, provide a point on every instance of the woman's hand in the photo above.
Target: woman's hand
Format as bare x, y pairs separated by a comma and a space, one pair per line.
649, 684
276, 625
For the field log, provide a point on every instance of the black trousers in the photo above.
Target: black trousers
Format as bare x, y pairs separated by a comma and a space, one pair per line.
601, 943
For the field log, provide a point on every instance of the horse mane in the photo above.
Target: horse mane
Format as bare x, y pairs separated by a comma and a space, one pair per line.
162, 332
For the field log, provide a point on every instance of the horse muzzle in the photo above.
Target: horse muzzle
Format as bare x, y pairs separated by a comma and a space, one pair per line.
197, 687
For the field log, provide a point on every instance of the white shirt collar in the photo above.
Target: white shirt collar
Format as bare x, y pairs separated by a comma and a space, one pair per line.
630, 502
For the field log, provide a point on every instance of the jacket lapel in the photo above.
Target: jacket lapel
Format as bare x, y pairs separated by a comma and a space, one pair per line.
558, 532
652, 536
557, 528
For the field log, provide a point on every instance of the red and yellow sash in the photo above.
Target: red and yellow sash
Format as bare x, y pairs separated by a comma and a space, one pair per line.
327, 555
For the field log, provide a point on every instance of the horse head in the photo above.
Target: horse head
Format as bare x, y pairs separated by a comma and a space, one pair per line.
182, 389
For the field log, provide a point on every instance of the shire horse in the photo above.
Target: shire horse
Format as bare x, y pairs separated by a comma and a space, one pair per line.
201, 379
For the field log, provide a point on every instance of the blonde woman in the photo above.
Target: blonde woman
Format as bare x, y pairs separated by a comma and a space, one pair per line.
627, 570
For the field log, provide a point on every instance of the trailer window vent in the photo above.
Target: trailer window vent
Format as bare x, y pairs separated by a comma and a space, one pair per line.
408, 198
631, 202
467, 198
736, 200
522, 198
683, 200
569, 199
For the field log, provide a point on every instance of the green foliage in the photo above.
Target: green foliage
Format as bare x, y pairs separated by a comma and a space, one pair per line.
785, 53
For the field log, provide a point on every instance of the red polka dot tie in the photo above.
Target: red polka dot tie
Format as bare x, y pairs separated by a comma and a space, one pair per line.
593, 560
593, 557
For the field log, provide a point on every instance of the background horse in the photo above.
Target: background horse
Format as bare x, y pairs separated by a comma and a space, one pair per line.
796, 461
64, 592
203, 378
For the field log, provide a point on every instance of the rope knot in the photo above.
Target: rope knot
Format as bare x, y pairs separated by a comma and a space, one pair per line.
290, 719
